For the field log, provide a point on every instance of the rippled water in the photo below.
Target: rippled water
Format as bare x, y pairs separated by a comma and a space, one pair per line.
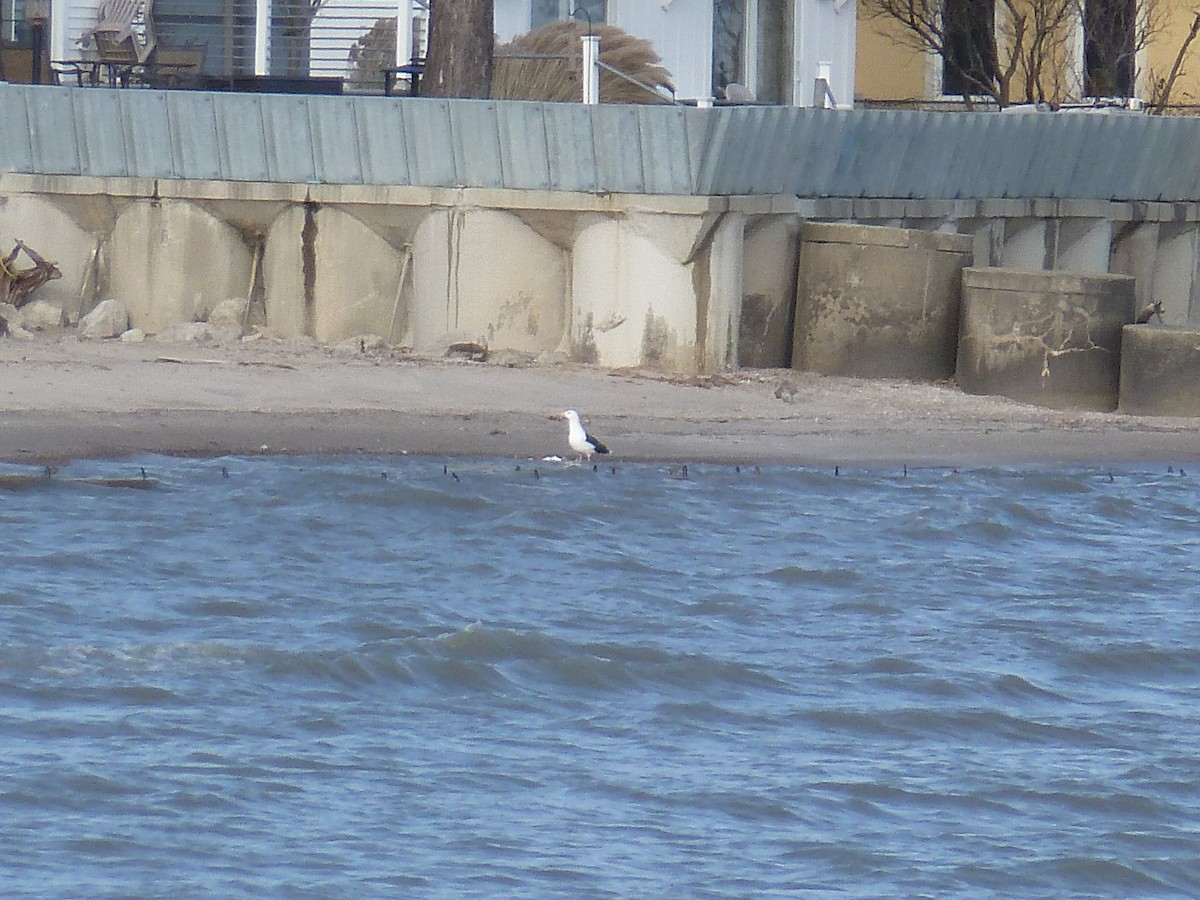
308, 679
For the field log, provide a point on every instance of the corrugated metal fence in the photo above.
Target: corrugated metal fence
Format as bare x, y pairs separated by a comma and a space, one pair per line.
619, 149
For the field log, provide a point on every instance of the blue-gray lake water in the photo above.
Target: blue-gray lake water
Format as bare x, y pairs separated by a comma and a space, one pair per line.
299, 678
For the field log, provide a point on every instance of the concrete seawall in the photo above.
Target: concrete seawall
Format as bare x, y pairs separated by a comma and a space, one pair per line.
618, 280
665, 238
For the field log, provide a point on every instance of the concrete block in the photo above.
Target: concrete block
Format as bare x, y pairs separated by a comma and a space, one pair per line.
719, 301
171, 262
1048, 338
1160, 371
878, 302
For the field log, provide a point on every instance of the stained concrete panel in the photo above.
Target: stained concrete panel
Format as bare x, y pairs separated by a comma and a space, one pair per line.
769, 266
357, 281
634, 303
59, 238
1048, 338
1160, 371
485, 275
288, 313
877, 302
171, 262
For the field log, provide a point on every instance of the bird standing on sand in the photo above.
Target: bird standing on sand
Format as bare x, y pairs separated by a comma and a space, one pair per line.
581, 442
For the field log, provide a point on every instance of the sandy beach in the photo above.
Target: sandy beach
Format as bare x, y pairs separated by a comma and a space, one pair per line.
63, 398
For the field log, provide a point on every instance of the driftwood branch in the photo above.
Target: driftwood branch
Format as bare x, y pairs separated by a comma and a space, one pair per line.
16, 283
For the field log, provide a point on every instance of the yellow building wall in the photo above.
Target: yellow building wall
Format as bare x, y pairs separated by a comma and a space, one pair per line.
889, 69
1162, 50
886, 69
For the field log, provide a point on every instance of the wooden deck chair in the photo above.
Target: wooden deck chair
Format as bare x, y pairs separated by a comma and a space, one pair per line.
123, 27
177, 67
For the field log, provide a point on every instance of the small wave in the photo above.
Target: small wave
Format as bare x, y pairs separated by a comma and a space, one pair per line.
1139, 658
801, 576
229, 609
1017, 688
892, 665
348, 669
1072, 874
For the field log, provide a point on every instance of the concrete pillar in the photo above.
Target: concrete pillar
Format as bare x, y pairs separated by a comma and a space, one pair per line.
57, 237
1160, 371
1024, 245
1082, 245
289, 310
769, 292
878, 302
484, 275
1048, 338
171, 262
720, 302
1135, 253
1175, 273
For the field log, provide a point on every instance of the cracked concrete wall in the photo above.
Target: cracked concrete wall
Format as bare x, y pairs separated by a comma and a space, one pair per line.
330, 276
1048, 338
876, 302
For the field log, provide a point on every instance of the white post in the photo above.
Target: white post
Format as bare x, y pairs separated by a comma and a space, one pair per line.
591, 69
404, 19
58, 31
824, 85
262, 37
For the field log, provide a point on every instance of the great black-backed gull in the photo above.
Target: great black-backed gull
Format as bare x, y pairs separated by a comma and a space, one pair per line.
581, 442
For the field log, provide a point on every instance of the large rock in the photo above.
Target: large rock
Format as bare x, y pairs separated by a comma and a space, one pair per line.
200, 333
40, 315
109, 319
231, 312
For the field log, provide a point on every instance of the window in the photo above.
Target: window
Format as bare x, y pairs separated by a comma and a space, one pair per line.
546, 11
729, 44
969, 60
1109, 41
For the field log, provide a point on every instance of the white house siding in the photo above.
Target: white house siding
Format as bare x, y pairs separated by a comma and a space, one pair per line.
511, 18
336, 26
825, 33
680, 30
681, 34
69, 19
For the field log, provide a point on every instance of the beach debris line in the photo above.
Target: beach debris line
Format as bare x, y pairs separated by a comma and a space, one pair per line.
48, 477
18, 283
